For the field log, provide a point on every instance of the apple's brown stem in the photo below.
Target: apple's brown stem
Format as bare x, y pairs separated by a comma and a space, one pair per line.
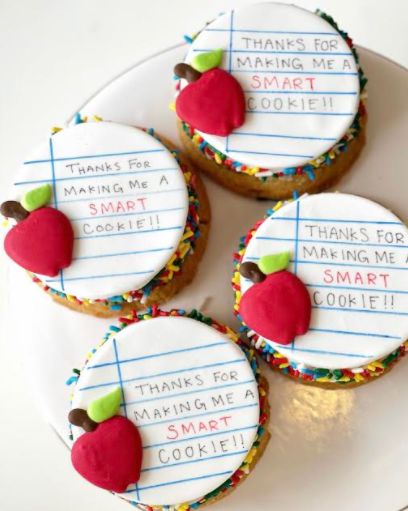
186, 71
79, 417
252, 272
13, 209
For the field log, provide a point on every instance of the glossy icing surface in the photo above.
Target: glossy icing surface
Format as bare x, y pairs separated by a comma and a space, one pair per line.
299, 77
126, 198
193, 396
352, 255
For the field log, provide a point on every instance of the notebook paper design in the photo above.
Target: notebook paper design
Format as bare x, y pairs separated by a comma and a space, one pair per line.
193, 396
299, 77
352, 254
126, 198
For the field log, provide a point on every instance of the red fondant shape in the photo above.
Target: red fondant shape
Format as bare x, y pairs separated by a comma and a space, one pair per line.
42, 243
213, 104
278, 308
110, 456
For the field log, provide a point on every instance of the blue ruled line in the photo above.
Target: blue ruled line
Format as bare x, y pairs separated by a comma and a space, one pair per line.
275, 135
333, 242
296, 240
194, 461
327, 263
250, 31
128, 233
274, 72
349, 332
231, 30
89, 156
301, 261
373, 311
198, 437
298, 113
157, 355
93, 176
166, 373
230, 61
115, 349
174, 419
120, 254
121, 196
186, 393
91, 277
273, 154
326, 93
350, 288
55, 202
118, 215
334, 220
324, 352
179, 481
54, 186
325, 53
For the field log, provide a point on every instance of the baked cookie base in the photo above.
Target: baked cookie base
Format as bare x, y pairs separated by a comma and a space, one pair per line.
337, 386
163, 292
379, 370
279, 188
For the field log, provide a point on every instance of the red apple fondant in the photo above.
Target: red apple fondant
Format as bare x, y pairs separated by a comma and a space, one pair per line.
110, 456
213, 103
42, 242
277, 306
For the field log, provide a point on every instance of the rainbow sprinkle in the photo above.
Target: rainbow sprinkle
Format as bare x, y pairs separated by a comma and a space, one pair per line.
246, 466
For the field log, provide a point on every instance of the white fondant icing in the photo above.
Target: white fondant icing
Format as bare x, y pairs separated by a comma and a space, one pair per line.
192, 394
126, 198
352, 254
299, 77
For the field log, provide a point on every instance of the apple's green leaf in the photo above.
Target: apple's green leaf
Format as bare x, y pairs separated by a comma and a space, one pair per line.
105, 407
36, 198
205, 61
274, 262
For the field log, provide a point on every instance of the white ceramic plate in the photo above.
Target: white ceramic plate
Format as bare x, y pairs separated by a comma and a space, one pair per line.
336, 450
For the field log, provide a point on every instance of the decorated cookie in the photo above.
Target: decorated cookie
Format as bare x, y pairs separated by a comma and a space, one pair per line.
126, 221
170, 410
351, 255
303, 96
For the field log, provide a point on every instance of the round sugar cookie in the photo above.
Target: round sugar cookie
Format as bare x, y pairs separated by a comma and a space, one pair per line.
129, 224
126, 198
299, 77
352, 256
271, 101
193, 396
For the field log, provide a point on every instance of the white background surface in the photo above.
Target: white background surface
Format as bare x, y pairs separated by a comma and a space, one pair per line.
54, 55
